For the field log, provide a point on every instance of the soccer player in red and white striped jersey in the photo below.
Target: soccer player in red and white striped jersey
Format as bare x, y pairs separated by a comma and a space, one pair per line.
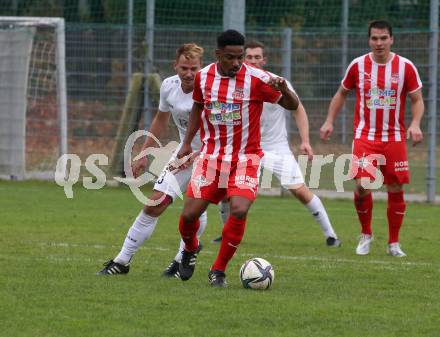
278, 157
382, 81
228, 100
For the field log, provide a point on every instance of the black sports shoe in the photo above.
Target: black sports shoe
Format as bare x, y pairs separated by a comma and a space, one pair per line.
217, 278
172, 270
188, 264
217, 240
113, 268
333, 242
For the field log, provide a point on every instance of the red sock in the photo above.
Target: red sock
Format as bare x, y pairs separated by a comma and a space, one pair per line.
188, 231
231, 237
364, 209
395, 214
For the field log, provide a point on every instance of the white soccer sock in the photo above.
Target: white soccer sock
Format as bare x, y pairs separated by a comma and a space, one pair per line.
140, 231
318, 211
224, 209
203, 221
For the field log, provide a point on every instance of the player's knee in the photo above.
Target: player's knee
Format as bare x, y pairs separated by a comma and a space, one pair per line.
189, 215
239, 211
394, 188
154, 211
157, 210
360, 191
302, 193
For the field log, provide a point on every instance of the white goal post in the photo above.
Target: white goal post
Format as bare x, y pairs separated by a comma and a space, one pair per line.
33, 98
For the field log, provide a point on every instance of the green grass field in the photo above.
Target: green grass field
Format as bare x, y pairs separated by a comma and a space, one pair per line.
51, 247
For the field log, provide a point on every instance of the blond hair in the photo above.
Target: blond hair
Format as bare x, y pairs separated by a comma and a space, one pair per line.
190, 51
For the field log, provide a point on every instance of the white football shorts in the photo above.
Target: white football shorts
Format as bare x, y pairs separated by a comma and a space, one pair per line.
173, 184
279, 160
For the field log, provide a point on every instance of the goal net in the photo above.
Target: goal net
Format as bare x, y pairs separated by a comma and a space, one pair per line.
33, 113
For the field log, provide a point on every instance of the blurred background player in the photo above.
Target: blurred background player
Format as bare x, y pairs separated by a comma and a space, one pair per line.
176, 101
382, 80
278, 158
228, 100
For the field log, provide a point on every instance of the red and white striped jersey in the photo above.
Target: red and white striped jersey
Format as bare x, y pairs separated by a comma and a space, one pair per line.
381, 91
230, 120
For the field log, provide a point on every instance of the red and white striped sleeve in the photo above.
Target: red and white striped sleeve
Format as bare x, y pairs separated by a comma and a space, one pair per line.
412, 78
197, 93
351, 74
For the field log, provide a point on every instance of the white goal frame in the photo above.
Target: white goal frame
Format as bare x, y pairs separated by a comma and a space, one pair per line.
59, 25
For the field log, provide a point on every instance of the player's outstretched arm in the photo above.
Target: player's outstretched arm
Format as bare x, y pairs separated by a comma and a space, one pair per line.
157, 128
335, 106
288, 100
417, 109
302, 123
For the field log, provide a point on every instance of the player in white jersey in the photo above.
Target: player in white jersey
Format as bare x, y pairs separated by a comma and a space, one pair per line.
176, 101
278, 158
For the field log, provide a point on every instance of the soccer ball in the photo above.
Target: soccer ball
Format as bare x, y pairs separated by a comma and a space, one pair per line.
257, 273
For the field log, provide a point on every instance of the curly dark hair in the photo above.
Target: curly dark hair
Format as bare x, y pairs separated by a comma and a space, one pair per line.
230, 37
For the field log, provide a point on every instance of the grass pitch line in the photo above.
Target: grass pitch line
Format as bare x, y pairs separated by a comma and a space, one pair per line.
247, 255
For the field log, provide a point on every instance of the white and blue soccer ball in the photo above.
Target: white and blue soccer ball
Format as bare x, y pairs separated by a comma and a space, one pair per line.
257, 273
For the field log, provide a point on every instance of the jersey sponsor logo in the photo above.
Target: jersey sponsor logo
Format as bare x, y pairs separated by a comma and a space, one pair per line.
222, 106
250, 182
381, 98
224, 113
400, 166
238, 93
380, 92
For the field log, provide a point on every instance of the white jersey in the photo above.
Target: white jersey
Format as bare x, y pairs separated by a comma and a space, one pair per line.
278, 158
273, 123
174, 100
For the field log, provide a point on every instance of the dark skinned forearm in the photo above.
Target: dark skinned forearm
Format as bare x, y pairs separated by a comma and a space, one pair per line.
288, 100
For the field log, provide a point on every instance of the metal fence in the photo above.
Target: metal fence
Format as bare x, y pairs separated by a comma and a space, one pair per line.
97, 77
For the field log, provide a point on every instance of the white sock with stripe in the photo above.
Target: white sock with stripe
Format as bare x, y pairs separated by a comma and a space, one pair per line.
319, 213
140, 231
